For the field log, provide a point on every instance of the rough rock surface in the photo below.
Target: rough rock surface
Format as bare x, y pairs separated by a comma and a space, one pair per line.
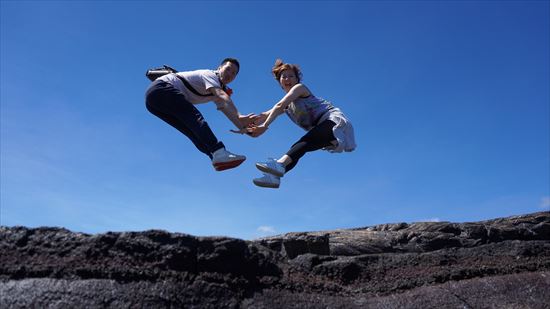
501, 263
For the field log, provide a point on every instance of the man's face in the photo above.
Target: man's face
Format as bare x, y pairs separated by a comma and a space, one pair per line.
228, 72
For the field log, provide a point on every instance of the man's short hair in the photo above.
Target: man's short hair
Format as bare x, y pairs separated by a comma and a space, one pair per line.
232, 60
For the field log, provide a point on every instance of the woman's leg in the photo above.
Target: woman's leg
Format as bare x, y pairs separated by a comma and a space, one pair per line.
317, 138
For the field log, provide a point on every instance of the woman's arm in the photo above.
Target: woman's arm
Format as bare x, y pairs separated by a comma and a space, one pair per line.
299, 90
262, 117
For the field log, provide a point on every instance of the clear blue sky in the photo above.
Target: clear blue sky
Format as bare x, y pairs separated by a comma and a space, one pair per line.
449, 100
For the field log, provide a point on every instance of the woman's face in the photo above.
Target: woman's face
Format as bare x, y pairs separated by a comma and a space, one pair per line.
288, 79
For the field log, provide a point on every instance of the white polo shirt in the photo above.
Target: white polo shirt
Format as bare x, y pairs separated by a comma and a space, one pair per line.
201, 80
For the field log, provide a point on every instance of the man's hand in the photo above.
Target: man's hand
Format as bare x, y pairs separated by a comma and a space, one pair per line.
246, 130
256, 131
247, 120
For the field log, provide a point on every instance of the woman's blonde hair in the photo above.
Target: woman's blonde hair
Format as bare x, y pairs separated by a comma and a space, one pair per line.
280, 66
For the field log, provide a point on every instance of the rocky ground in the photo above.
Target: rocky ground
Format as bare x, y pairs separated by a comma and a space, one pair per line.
501, 263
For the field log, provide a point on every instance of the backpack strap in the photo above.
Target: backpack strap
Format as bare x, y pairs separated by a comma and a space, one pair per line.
188, 85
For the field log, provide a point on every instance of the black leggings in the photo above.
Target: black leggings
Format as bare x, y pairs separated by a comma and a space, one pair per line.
170, 105
317, 138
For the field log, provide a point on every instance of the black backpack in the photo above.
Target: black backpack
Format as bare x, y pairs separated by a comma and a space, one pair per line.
155, 73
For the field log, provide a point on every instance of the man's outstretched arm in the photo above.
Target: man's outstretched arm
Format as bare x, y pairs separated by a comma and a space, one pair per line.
225, 105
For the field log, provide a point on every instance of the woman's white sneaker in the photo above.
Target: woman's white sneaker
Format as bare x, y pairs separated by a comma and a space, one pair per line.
271, 167
267, 181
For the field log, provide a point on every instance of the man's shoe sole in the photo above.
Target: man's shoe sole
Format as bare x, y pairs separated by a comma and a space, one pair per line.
266, 169
265, 185
222, 166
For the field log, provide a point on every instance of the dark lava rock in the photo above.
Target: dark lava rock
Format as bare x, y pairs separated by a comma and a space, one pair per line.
501, 263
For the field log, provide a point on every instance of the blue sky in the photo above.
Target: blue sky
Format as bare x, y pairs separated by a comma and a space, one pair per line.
450, 101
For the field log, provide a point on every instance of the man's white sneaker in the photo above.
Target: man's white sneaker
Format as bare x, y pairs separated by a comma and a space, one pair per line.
267, 181
271, 167
223, 159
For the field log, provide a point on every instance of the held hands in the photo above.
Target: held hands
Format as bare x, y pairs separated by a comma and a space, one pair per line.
256, 131
258, 127
246, 122
252, 130
261, 118
252, 125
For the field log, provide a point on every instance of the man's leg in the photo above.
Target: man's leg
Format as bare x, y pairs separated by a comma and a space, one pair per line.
169, 104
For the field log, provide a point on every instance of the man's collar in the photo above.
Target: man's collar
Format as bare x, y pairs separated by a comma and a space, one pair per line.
217, 72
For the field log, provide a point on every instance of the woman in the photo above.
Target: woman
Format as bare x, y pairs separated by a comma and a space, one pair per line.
327, 127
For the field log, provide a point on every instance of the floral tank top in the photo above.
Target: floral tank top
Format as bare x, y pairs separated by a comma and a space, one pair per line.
306, 112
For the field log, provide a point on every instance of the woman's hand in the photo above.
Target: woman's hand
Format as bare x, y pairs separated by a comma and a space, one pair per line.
247, 120
242, 131
256, 131
245, 130
261, 118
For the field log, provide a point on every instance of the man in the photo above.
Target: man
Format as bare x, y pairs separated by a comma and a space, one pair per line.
172, 98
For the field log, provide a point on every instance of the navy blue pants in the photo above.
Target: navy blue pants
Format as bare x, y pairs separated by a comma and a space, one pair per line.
170, 105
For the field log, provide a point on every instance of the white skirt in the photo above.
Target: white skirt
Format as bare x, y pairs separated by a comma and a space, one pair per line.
343, 131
